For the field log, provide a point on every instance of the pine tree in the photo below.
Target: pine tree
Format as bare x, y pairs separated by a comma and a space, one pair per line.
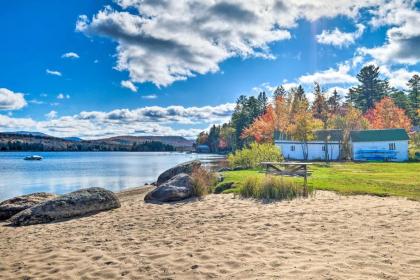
319, 106
334, 103
279, 92
414, 99
370, 90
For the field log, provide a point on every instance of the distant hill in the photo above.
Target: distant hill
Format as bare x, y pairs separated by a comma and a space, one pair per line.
35, 141
176, 141
74, 139
33, 133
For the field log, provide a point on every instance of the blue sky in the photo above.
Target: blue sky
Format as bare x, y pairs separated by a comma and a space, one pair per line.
99, 68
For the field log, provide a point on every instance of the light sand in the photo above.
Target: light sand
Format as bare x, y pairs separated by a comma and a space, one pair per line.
326, 237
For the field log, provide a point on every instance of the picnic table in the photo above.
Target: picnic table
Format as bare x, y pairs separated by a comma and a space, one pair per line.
288, 169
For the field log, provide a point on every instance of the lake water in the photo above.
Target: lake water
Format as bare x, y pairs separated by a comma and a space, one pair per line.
62, 172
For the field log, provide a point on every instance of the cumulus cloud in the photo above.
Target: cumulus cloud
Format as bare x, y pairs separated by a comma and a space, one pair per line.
51, 115
10, 100
152, 120
330, 76
63, 96
398, 78
403, 38
338, 38
71, 55
156, 44
53, 72
129, 85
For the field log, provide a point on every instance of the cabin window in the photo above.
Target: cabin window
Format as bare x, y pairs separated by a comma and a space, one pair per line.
292, 148
392, 146
323, 148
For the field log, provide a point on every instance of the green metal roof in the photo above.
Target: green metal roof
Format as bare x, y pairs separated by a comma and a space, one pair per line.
335, 135
372, 135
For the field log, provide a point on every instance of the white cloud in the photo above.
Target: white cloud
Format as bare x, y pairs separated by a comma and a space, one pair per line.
150, 96
10, 100
330, 76
338, 38
53, 72
51, 115
152, 120
72, 55
156, 44
63, 96
129, 85
398, 78
403, 38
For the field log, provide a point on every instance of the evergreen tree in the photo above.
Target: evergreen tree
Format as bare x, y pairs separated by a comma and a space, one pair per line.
279, 92
319, 106
400, 99
414, 98
334, 103
370, 90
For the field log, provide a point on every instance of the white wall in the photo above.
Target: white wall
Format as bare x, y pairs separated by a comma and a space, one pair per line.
315, 151
401, 149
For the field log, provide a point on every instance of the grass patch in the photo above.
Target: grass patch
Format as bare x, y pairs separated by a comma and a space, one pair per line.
203, 181
382, 179
271, 188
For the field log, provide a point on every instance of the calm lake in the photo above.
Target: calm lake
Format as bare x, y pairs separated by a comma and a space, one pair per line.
62, 172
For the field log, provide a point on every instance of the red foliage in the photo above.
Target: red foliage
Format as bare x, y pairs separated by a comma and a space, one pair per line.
385, 114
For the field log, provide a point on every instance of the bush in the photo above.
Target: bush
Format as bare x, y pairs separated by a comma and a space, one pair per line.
252, 156
223, 186
203, 181
272, 188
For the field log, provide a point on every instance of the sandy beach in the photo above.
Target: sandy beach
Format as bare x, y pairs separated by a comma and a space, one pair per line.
325, 237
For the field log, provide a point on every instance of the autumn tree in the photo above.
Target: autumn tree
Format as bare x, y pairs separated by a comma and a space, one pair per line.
350, 119
385, 114
302, 126
262, 129
320, 106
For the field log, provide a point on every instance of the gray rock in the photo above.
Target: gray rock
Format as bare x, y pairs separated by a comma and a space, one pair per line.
223, 186
224, 169
178, 188
186, 167
219, 177
12, 206
78, 203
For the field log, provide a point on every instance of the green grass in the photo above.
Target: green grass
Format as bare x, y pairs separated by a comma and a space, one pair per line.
382, 179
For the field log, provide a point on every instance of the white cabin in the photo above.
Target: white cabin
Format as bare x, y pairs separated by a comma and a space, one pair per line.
379, 144
374, 144
327, 145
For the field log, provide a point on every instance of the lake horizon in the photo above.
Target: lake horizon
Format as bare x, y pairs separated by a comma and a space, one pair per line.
63, 172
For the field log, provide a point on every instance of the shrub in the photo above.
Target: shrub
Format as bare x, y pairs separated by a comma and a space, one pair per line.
203, 181
223, 186
252, 156
272, 188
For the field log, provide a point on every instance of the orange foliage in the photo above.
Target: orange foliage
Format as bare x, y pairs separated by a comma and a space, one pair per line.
385, 114
262, 128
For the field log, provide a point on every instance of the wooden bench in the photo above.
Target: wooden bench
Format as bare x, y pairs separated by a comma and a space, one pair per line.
288, 169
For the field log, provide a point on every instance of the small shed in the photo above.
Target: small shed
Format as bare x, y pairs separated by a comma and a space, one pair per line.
379, 144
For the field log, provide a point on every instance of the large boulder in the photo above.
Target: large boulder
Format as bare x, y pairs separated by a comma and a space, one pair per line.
179, 187
186, 167
78, 203
12, 206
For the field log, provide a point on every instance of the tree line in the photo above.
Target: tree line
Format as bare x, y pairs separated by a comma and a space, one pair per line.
85, 146
373, 103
